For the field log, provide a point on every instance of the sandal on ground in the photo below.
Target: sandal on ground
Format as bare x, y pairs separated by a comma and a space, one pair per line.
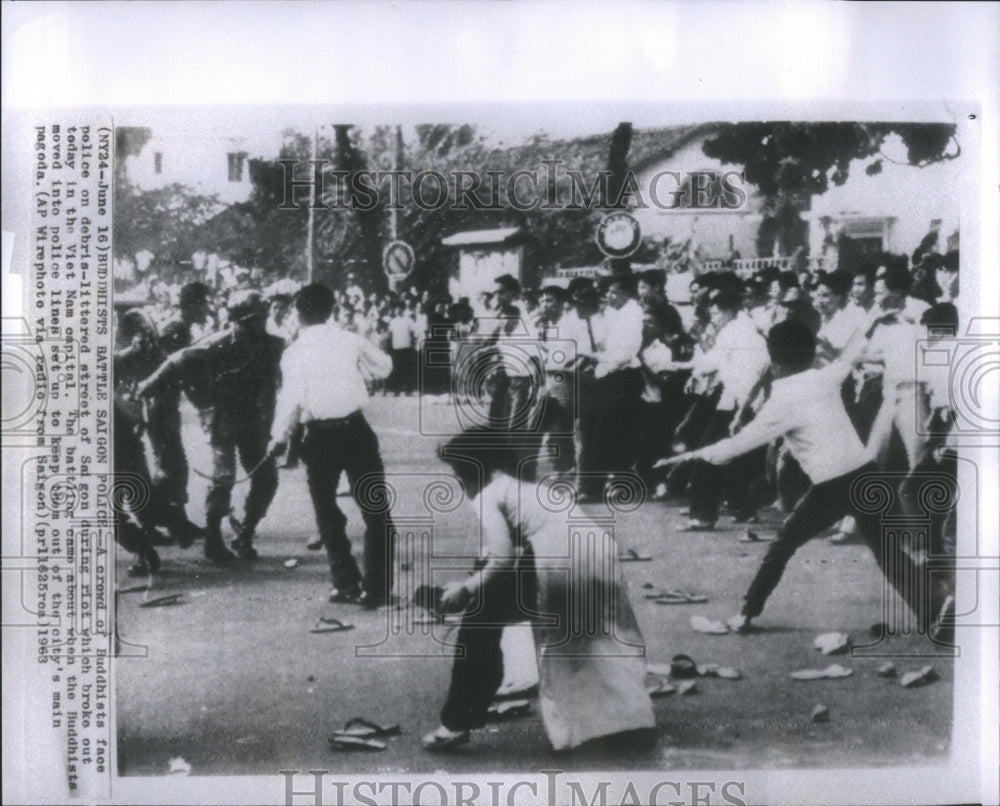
508, 709
344, 742
326, 624
444, 739
366, 729
677, 597
632, 556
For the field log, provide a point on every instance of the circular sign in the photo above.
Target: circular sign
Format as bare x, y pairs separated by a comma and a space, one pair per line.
397, 259
618, 234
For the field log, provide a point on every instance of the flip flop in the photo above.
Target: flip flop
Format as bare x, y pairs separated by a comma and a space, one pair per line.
659, 688
359, 727
714, 670
707, 626
832, 643
165, 601
677, 597
344, 742
508, 709
830, 672
928, 674
331, 625
632, 556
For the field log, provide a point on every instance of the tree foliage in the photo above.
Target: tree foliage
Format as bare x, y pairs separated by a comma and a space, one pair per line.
165, 221
789, 163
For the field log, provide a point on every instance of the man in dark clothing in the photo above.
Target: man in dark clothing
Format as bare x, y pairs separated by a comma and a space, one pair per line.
236, 373
163, 418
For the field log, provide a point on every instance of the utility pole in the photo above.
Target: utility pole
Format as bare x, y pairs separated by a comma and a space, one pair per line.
312, 213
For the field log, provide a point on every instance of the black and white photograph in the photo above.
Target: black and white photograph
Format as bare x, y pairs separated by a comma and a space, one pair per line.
414, 450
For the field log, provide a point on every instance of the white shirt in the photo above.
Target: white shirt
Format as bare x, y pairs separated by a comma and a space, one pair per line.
323, 377
739, 357
807, 410
622, 339
844, 323
401, 330
895, 345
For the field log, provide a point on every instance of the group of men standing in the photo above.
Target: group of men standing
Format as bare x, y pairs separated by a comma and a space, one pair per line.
255, 396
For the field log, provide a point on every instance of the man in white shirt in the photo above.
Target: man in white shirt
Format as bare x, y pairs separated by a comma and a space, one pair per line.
558, 336
806, 410
737, 361
323, 387
403, 355
613, 409
894, 346
838, 321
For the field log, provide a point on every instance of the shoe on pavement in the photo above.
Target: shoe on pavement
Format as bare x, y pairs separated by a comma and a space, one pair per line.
314, 543
352, 594
444, 739
244, 549
739, 624
217, 552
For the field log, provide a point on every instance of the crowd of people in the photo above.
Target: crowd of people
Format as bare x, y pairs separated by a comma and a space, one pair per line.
739, 390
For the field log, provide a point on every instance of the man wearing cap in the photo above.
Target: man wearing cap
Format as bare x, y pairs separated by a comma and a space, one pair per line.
236, 374
323, 387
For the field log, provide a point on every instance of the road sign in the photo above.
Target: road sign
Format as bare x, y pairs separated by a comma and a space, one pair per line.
618, 234
397, 260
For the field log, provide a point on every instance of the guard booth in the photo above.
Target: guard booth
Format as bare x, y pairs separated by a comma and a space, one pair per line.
483, 256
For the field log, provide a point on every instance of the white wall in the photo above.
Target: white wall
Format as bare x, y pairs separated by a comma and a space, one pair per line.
711, 228
912, 195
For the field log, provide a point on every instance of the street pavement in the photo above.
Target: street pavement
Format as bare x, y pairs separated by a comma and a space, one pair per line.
232, 680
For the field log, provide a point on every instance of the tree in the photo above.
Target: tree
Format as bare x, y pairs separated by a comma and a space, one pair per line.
789, 163
165, 221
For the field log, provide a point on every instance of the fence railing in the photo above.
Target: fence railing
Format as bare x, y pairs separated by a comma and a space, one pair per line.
786, 263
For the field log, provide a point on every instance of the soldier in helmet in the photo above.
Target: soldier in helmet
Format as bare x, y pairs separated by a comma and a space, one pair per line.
236, 373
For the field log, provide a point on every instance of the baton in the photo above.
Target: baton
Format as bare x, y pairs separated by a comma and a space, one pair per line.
247, 477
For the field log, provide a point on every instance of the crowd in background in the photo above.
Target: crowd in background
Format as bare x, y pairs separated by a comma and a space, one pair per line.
604, 377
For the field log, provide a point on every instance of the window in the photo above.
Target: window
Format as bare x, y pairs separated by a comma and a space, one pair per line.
157, 162
236, 160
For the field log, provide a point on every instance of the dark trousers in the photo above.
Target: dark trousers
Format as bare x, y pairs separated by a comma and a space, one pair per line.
657, 423
477, 672
134, 523
609, 415
402, 377
329, 448
821, 507
558, 426
862, 401
163, 426
709, 483
248, 438
515, 402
